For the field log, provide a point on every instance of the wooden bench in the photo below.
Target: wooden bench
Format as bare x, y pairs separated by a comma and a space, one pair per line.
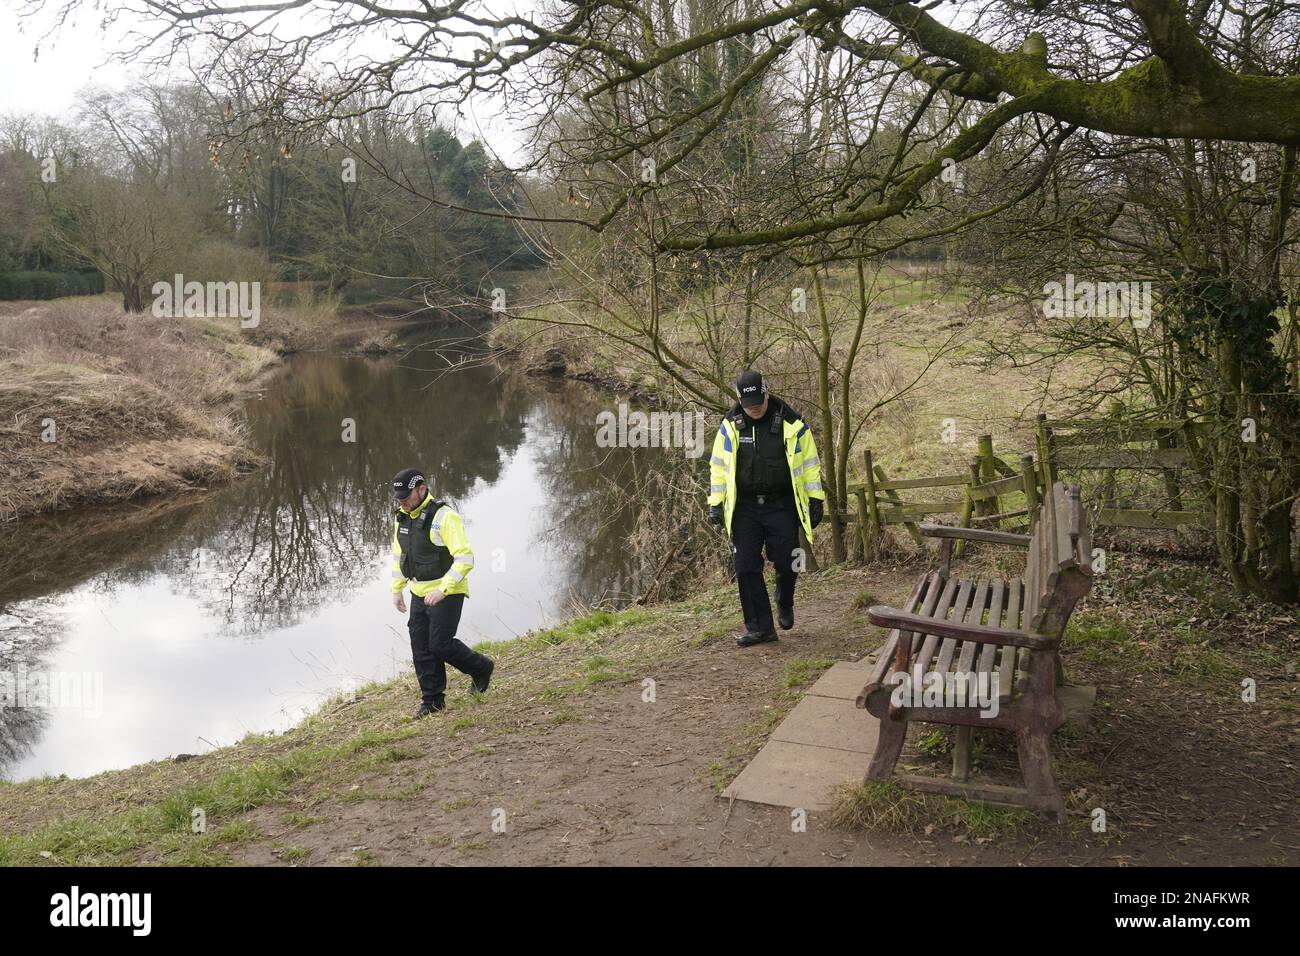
1003, 631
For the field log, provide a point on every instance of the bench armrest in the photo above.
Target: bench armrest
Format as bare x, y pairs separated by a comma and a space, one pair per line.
883, 616
974, 534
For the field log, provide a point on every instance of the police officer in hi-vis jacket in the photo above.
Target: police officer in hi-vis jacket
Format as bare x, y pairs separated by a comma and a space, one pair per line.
431, 552
765, 481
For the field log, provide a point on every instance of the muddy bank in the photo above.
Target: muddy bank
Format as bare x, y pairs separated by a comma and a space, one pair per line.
549, 356
97, 406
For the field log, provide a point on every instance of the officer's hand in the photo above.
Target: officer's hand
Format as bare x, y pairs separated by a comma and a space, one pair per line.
715, 515
433, 597
399, 601
815, 511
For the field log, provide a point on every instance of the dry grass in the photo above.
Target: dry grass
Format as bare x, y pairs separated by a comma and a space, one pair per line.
309, 321
196, 361
884, 807
138, 404
971, 389
877, 805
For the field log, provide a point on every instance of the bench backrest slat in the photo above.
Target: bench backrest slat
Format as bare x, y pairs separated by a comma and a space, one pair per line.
1031, 571
1058, 568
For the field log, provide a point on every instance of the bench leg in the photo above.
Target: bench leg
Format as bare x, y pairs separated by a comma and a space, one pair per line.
961, 752
889, 744
1035, 751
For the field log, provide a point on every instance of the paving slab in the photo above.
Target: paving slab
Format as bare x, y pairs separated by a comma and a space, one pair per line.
844, 679
822, 743
787, 774
828, 722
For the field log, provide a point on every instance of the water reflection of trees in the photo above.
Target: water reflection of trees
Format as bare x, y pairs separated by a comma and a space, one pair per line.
596, 494
26, 643
21, 727
304, 533
312, 527
307, 529
58, 552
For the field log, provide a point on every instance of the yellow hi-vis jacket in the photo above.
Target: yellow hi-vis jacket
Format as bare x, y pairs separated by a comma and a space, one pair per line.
446, 531
800, 454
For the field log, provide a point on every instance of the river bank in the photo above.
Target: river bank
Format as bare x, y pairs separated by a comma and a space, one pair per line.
585, 769
574, 763
97, 406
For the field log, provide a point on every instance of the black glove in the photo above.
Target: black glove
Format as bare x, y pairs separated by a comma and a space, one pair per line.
715, 515
815, 511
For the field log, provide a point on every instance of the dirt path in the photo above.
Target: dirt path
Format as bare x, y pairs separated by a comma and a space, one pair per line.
616, 780
621, 782
581, 769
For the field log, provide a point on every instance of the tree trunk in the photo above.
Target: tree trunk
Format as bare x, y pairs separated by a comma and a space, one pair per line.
827, 451
132, 297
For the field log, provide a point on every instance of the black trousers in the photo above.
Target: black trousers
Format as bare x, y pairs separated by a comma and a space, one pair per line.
434, 646
774, 526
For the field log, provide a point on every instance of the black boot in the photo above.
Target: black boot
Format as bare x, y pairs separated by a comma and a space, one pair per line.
427, 709
755, 637
785, 619
484, 677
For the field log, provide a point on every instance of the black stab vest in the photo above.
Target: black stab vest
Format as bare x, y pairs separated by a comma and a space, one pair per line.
422, 560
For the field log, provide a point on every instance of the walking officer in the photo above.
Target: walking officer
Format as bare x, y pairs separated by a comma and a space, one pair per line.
431, 552
765, 481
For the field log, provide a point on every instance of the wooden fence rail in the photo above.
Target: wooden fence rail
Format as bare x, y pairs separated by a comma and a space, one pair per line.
995, 494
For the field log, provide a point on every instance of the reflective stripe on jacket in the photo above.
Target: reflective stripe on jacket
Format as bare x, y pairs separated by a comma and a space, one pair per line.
446, 531
800, 454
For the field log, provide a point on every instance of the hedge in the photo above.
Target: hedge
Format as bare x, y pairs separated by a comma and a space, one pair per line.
49, 285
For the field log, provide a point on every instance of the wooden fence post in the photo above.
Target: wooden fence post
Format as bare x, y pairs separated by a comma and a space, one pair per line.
971, 507
1030, 479
987, 473
1045, 451
873, 510
860, 552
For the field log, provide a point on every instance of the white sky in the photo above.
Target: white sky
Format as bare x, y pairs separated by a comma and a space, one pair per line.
79, 56
49, 85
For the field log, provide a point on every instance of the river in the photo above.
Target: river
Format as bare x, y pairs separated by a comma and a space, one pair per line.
176, 626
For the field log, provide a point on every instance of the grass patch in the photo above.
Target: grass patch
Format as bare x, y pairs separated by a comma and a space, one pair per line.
864, 600
803, 671
935, 743
877, 805
599, 670
1100, 638
465, 722
296, 819
167, 822
589, 625
883, 806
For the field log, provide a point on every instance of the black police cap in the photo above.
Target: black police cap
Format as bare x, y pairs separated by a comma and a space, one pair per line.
406, 481
751, 389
